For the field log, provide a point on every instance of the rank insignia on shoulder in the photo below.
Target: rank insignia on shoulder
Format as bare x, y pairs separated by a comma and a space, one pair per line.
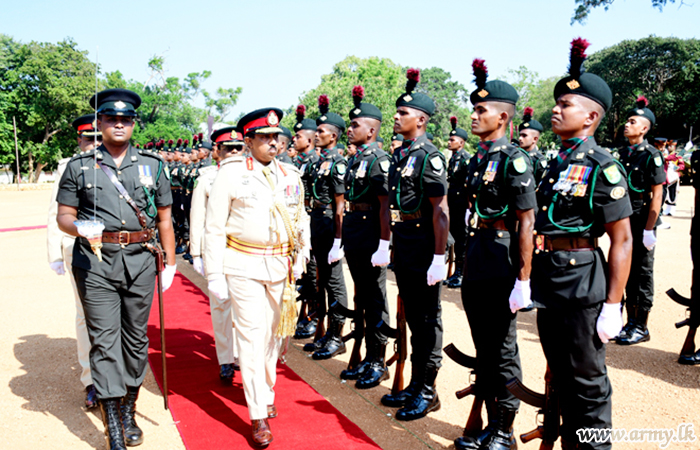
519, 164
612, 173
580, 155
657, 160
436, 162
617, 193
385, 165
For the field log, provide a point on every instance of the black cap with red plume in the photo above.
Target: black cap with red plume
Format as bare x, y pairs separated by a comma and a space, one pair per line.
459, 132
577, 57
329, 117
529, 123
582, 83
412, 79
323, 104
490, 91
302, 122
641, 110
358, 93
481, 73
363, 109
415, 100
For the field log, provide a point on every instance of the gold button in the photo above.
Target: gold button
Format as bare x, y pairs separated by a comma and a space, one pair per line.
119, 172
89, 185
364, 217
534, 231
393, 188
572, 261
121, 196
485, 183
471, 233
537, 251
417, 225
551, 180
476, 174
500, 234
628, 164
457, 193
393, 223
474, 195
123, 222
544, 208
391, 206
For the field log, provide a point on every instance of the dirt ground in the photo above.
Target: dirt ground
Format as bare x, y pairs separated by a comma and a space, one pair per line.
41, 395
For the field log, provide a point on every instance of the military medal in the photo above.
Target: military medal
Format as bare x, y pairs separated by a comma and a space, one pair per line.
490, 173
145, 176
325, 168
408, 169
574, 180
362, 170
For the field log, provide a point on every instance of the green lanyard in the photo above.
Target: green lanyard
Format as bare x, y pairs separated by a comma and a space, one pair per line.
581, 229
398, 190
478, 196
351, 194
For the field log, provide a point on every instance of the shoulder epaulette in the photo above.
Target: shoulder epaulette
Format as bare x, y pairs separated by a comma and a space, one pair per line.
151, 154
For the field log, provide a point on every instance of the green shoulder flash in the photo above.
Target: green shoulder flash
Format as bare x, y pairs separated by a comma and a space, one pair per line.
167, 172
342, 167
612, 174
519, 164
384, 165
657, 160
436, 162
195, 183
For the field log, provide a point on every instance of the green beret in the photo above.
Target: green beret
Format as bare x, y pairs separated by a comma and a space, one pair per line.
529, 123
415, 100
366, 110
492, 91
340, 146
641, 110
328, 117
380, 139
302, 123
429, 136
397, 137
459, 132
582, 83
286, 132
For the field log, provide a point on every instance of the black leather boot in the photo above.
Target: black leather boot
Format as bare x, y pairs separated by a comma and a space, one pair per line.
630, 325
455, 280
133, 435
112, 422
502, 437
473, 442
305, 328
640, 332
402, 397
690, 360
425, 401
376, 372
334, 344
226, 373
357, 371
318, 343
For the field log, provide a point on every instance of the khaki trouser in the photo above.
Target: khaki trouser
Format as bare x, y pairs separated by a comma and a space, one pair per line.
224, 333
256, 306
81, 333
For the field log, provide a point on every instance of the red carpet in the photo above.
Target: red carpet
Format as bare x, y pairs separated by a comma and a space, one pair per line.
33, 227
210, 415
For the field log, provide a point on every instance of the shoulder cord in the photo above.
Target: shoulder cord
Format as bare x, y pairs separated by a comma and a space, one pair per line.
580, 229
351, 194
313, 185
478, 196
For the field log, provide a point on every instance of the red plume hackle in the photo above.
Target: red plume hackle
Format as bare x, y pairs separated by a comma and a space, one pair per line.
201, 137
301, 112
481, 73
527, 114
194, 139
323, 103
642, 102
358, 93
179, 142
453, 122
578, 55
412, 77
187, 142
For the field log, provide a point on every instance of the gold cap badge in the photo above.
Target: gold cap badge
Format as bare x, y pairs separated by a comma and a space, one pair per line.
407, 98
272, 119
573, 84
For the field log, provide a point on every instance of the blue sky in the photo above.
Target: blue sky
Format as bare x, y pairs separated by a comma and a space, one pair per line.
275, 49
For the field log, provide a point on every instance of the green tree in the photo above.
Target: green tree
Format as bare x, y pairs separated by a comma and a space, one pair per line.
44, 86
585, 6
665, 70
537, 94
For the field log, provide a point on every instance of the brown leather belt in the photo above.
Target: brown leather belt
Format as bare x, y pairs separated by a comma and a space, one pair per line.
359, 206
319, 205
495, 224
128, 237
175, 188
553, 244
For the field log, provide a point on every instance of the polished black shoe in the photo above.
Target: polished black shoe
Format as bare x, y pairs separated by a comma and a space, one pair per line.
690, 360
114, 431
375, 373
625, 333
90, 397
319, 344
334, 344
639, 333
419, 406
180, 249
402, 397
235, 364
226, 372
305, 328
355, 372
188, 257
476, 440
133, 435
455, 280
502, 437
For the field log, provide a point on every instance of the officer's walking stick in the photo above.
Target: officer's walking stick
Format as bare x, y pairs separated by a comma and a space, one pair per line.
159, 272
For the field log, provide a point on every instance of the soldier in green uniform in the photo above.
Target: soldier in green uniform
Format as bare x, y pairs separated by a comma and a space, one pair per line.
583, 194
420, 224
396, 142
502, 203
285, 138
366, 233
380, 142
128, 191
456, 197
644, 165
529, 133
327, 210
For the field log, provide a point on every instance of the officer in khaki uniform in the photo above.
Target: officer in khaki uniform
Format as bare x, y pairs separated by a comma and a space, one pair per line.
256, 226
583, 195
60, 247
644, 165
229, 143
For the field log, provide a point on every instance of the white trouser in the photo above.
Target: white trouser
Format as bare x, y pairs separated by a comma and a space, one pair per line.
256, 306
81, 333
223, 323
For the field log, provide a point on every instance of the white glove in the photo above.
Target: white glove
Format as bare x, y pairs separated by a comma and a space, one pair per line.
167, 276
381, 257
198, 265
336, 253
467, 216
688, 145
58, 267
520, 296
218, 286
438, 270
649, 239
609, 322
298, 267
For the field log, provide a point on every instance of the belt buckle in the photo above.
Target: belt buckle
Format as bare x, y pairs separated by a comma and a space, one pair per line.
539, 242
128, 238
396, 215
